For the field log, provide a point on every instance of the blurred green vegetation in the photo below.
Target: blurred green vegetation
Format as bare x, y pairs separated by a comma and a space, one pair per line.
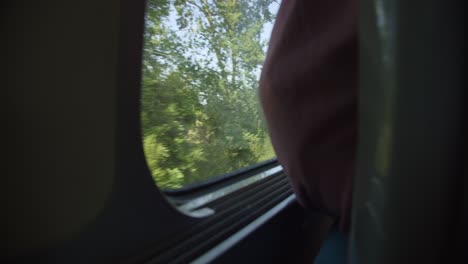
200, 112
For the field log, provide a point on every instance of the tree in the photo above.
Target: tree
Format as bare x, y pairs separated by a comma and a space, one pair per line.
200, 113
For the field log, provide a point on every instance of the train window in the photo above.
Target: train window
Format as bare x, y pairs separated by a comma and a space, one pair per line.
199, 111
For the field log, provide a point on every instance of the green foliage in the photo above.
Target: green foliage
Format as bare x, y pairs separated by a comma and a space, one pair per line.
200, 112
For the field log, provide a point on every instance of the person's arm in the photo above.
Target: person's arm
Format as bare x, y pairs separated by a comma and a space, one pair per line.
308, 91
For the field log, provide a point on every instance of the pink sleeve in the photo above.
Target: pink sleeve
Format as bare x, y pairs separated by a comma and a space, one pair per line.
308, 91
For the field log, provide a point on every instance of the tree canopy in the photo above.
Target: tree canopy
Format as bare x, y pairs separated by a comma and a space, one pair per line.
200, 113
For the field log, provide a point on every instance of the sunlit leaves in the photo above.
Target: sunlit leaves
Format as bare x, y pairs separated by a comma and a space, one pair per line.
200, 113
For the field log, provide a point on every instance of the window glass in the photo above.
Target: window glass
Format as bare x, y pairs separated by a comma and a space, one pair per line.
201, 116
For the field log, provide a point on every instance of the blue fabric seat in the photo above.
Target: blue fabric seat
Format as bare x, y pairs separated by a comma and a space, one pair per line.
334, 249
